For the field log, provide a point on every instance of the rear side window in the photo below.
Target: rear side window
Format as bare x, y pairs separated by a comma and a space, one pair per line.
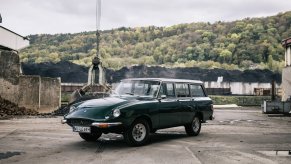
182, 90
197, 91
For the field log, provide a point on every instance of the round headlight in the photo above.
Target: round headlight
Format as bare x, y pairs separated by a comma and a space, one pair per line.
72, 108
116, 112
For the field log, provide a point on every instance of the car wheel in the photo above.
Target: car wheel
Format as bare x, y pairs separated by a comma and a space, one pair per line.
138, 133
90, 136
193, 129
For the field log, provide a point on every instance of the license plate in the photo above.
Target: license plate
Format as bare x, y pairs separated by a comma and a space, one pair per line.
82, 129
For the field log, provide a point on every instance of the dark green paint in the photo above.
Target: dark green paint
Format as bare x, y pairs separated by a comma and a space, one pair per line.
162, 113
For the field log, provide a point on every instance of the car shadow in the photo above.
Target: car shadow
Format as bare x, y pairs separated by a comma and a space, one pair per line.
160, 137
110, 142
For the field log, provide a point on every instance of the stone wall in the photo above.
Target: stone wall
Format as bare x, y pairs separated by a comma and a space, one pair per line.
286, 83
34, 92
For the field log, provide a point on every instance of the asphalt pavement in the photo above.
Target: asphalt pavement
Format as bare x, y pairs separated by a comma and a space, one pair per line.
237, 135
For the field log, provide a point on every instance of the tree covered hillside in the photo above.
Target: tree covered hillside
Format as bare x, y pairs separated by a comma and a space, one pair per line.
244, 44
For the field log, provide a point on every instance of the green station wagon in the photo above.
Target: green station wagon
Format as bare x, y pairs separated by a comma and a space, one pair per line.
141, 106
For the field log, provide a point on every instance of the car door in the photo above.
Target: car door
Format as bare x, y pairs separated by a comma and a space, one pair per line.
168, 106
185, 101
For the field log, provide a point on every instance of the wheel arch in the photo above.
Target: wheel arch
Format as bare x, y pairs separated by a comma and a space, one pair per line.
147, 118
200, 115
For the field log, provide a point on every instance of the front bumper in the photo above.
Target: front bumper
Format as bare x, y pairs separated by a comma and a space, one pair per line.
106, 124
99, 124
63, 121
104, 127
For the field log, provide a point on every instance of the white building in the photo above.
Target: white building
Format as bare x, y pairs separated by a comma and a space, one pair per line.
10, 40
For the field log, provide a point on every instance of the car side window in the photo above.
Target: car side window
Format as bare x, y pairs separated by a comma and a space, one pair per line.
162, 90
140, 88
197, 91
170, 90
182, 90
167, 89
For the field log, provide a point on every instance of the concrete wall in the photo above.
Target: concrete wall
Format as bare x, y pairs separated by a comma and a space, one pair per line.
238, 88
29, 88
286, 83
7, 89
34, 92
50, 93
40, 93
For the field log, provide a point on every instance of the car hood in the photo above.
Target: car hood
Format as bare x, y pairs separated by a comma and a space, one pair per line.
97, 109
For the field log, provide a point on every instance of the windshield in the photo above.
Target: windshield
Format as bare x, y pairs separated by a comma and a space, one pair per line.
138, 88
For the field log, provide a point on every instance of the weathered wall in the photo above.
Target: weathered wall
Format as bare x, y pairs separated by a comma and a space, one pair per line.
34, 92
8, 90
50, 91
9, 75
286, 83
29, 87
10, 66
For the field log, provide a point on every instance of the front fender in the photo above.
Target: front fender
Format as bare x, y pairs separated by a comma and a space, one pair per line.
144, 109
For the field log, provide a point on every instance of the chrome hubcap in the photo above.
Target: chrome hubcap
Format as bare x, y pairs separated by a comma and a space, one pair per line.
195, 124
139, 132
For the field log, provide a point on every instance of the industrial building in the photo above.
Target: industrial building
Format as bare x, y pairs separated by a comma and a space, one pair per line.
286, 73
42, 94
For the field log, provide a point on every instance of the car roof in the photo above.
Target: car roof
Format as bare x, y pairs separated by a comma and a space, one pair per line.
167, 80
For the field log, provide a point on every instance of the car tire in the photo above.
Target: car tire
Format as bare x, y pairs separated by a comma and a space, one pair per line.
90, 136
193, 129
138, 133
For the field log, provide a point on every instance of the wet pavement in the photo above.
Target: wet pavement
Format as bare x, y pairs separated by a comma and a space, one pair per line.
238, 135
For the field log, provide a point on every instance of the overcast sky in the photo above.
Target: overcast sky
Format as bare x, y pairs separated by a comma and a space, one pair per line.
69, 16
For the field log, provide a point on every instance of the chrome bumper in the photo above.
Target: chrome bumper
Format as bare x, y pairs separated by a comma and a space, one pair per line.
63, 121
99, 124
106, 124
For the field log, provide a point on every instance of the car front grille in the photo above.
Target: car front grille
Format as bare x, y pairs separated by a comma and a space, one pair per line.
79, 122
